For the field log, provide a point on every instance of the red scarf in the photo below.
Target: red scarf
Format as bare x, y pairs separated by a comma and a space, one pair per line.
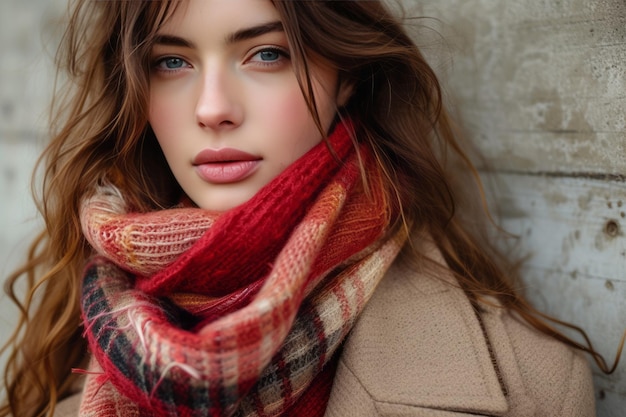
195, 313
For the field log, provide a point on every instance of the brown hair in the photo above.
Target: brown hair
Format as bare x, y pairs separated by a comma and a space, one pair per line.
101, 131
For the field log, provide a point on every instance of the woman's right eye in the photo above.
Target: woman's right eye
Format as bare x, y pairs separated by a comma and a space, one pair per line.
171, 64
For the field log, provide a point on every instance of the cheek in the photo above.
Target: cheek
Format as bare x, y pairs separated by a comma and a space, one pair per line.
298, 124
155, 112
289, 107
162, 116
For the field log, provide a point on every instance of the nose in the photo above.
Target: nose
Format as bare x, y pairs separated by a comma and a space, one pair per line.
219, 106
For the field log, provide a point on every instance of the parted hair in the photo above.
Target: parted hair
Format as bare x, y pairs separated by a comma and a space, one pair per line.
99, 130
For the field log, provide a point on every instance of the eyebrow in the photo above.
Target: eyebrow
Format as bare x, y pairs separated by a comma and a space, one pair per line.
255, 31
171, 40
238, 36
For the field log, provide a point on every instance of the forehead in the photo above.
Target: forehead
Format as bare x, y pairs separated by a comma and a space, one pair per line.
218, 17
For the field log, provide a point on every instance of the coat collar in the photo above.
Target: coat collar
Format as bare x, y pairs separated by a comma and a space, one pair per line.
420, 344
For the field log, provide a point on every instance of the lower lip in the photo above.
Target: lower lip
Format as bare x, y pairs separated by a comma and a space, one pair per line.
226, 172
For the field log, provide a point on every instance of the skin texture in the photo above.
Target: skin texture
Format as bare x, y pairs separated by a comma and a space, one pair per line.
215, 93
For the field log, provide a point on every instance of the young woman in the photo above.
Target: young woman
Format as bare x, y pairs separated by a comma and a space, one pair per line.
249, 212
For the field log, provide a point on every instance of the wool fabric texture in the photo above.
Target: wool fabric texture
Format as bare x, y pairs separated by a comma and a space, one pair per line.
195, 313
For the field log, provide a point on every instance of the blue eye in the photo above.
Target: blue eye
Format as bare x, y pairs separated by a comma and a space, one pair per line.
170, 64
269, 55
173, 63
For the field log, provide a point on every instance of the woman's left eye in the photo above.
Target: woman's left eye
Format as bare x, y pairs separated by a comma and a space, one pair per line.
269, 55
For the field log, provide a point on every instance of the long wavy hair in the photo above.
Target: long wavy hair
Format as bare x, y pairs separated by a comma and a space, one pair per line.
100, 130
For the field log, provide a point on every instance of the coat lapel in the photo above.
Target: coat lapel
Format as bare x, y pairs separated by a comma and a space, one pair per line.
418, 345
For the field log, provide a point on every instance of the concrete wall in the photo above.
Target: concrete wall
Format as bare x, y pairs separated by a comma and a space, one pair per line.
541, 89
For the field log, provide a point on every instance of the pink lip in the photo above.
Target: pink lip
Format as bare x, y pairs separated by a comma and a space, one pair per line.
223, 166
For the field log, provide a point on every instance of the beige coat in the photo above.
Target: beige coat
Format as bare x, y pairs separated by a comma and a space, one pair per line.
419, 350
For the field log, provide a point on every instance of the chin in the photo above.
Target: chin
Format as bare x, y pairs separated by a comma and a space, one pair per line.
221, 203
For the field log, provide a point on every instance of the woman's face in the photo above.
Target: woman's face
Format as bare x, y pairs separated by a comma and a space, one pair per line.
225, 104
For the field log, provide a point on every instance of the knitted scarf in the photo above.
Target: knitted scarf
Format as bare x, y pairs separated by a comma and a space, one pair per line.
189, 312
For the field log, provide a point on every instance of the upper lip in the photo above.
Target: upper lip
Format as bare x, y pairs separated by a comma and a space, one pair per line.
208, 156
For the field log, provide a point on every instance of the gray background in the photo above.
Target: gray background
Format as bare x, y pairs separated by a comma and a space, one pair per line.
540, 87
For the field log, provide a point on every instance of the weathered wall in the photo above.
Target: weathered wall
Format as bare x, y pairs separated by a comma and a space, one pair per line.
541, 88
28, 34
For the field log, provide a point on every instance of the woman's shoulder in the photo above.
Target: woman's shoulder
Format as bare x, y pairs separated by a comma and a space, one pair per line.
69, 406
552, 375
420, 345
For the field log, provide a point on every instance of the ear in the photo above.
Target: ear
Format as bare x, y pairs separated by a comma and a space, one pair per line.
344, 92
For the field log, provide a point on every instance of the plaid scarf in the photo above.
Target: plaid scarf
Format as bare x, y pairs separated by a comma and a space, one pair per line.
194, 313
